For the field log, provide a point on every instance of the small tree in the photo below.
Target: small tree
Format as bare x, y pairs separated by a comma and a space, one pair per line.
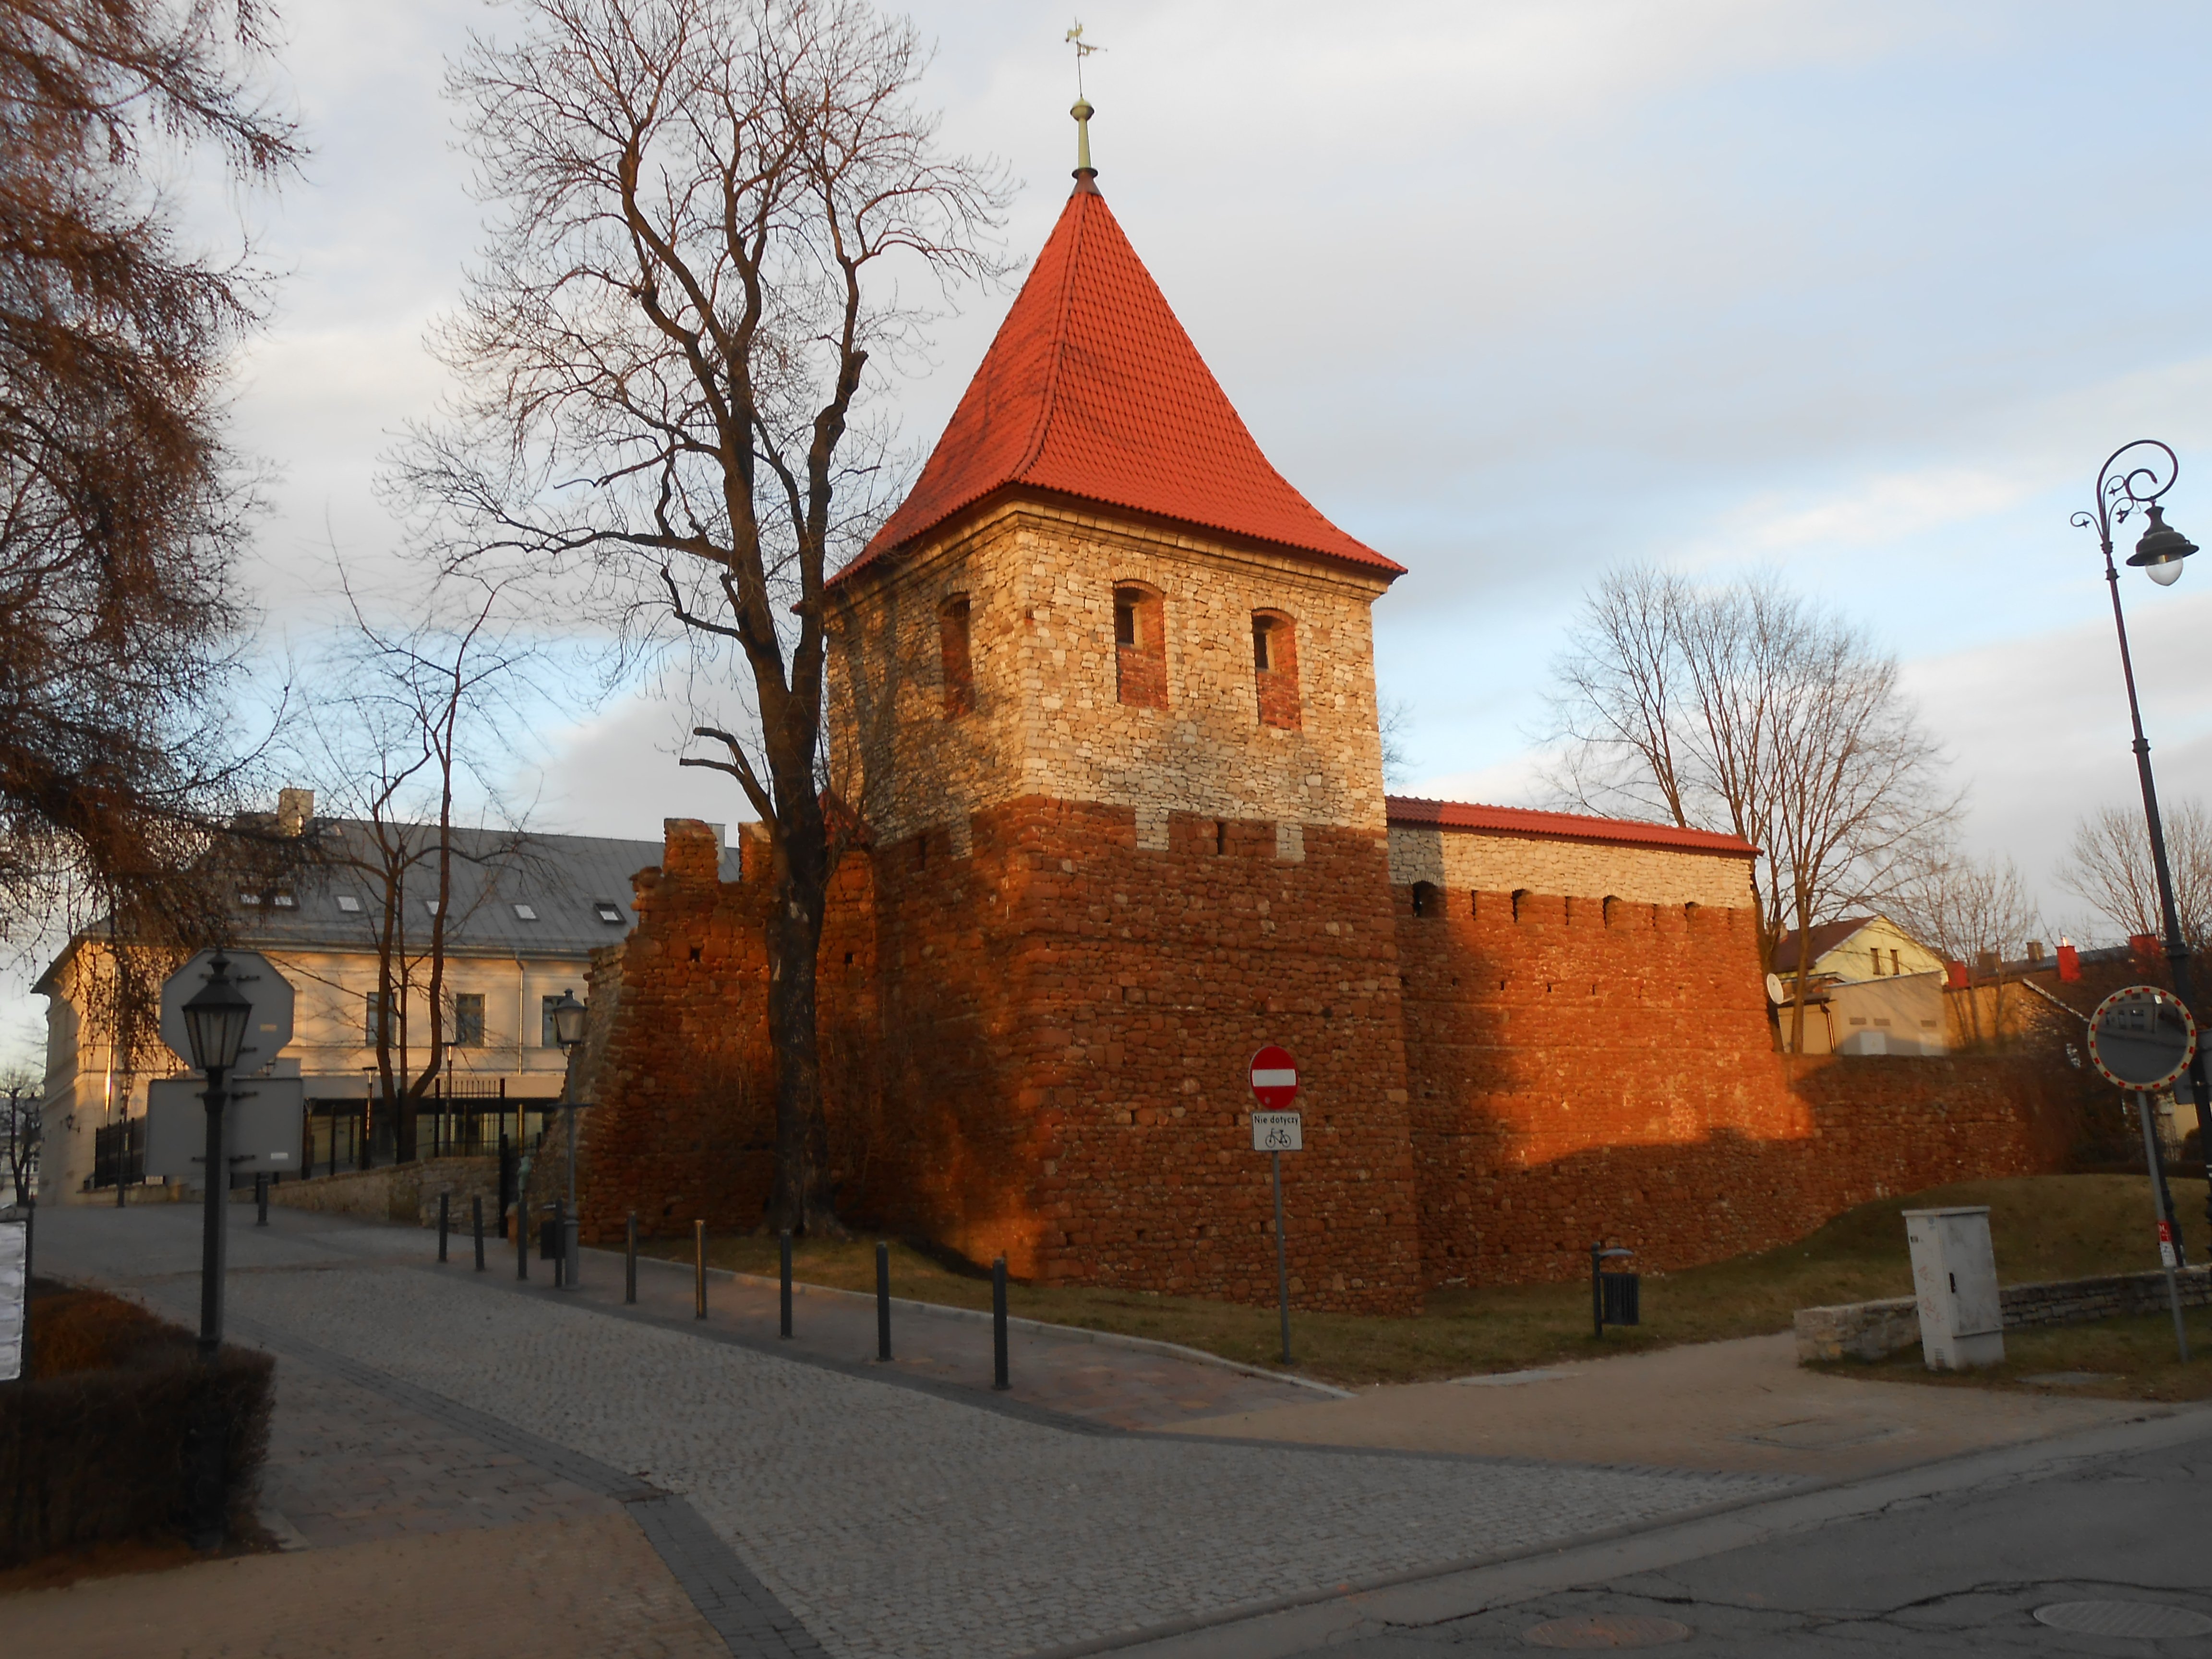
1969, 910
25, 1122
420, 708
2108, 866
704, 209
1743, 709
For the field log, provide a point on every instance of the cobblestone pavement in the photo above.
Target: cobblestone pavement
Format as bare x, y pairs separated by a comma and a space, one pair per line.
892, 1518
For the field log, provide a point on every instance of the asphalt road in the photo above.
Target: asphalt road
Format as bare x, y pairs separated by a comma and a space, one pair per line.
1951, 1561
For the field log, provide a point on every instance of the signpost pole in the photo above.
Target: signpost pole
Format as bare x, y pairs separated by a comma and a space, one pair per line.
1282, 1260
2163, 1201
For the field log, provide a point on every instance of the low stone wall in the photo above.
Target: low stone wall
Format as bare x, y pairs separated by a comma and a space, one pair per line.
398, 1192
1871, 1330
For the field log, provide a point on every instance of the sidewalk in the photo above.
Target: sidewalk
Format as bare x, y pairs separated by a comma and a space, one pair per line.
1744, 1405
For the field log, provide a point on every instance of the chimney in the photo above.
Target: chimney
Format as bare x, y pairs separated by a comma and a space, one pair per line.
295, 810
2035, 950
1955, 975
2143, 947
2069, 962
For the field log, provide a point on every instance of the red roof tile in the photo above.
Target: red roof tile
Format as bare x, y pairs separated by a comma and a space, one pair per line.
1560, 826
1092, 390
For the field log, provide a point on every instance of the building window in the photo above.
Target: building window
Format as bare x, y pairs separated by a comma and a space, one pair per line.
372, 1010
283, 901
1140, 652
349, 905
607, 912
956, 649
1428, 899
525, 913
1275, 669
250, 899
468, 1019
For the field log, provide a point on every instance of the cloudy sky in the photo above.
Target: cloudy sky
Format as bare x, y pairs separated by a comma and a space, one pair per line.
1514, 289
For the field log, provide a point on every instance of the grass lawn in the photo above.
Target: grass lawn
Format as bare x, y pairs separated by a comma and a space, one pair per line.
2045, 1227
2132, 1359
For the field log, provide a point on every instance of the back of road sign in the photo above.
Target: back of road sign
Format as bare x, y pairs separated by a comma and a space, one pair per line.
266, 1115
269, 992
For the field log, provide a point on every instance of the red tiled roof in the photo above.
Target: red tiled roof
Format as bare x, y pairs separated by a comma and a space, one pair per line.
1092, 390
1560, 826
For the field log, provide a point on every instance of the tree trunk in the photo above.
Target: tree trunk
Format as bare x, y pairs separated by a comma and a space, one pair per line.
799, 1200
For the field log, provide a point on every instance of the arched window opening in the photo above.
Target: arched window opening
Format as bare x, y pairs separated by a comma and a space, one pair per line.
1220, 837
956, 650
1427, 900
1275, 668
1612, 911
1141, 657
1519, 894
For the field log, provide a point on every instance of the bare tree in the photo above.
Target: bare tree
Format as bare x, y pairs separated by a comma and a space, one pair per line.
422, 708
121, 508
705, 208
1969, 910
2108, 866
1394, 719
23, 1109
1744, 709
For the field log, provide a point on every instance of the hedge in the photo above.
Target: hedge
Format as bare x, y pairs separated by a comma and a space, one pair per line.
93, 1443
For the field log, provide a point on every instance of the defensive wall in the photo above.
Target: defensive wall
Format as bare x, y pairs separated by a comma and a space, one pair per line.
1038, 1049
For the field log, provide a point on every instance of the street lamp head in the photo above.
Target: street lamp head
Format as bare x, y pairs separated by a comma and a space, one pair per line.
216, 1019
2161, 549
568, 1020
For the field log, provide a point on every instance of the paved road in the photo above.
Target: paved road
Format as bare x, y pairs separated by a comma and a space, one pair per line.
1950, 1560
817, 1502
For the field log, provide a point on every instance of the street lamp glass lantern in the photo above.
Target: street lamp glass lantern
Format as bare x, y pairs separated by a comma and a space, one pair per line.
568, 1020
2162, 549
215, 1020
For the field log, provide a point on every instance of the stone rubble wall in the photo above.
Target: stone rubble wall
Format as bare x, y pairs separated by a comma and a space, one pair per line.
397, 1192
1873, 1330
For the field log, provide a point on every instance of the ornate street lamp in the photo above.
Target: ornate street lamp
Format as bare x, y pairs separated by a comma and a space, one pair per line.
569, 1017
2122, 485
215, 1018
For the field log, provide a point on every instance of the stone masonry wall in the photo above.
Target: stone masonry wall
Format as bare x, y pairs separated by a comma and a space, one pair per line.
1047, 721
1577, 1074
1465, 861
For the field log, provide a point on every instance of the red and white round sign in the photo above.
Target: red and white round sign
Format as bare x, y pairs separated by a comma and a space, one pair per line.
1274, 1078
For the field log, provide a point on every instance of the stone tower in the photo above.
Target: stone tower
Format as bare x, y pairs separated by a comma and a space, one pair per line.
1102, 691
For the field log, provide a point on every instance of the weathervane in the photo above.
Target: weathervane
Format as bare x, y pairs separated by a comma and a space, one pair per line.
1082, 111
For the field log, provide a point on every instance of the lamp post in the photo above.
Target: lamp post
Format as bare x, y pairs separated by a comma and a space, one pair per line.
2121, 489
568, 1016
214, 1028
216, 1019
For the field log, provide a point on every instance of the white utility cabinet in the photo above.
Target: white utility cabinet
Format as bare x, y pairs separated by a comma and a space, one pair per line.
1955, 1277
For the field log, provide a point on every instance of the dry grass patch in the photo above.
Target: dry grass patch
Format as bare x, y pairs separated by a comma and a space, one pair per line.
2045, 1227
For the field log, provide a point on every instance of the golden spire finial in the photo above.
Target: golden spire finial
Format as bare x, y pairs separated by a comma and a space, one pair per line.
1082, 111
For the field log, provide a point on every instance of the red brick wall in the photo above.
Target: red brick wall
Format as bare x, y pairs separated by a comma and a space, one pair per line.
1576, 1074
1042, 1048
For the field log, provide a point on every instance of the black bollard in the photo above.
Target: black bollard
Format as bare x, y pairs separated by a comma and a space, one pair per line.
699, 1270
883, 1300
783, 1249
261, 1200
476, 1222
999, 1324
629, 1261
521, 1243
445, 1221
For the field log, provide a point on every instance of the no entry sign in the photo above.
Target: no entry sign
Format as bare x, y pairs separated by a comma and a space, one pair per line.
1274, 1078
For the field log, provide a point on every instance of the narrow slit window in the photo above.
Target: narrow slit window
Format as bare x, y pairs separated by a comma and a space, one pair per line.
1140, 661
1275, 669
956, 648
